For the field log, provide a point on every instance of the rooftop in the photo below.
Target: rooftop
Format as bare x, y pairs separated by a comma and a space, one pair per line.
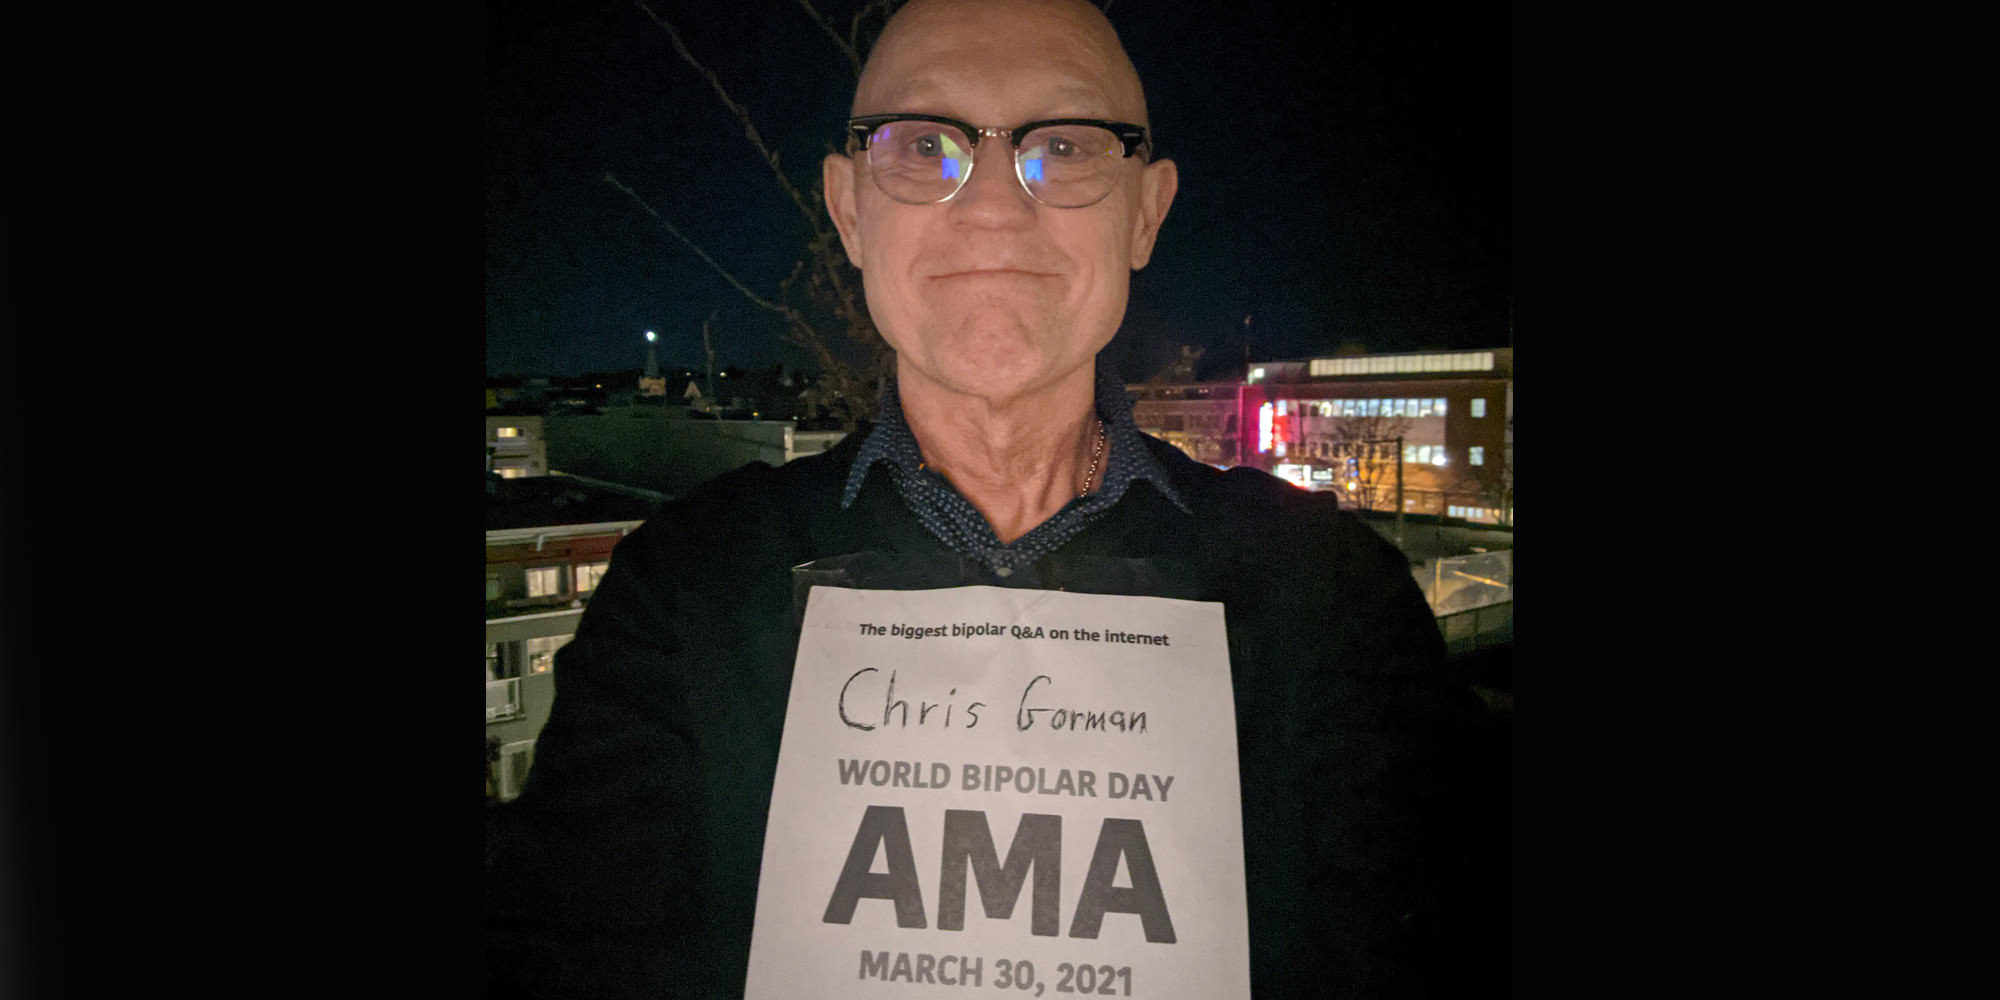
546, 501
1496, 362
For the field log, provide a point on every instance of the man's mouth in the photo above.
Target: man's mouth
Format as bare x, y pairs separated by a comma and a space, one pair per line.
993, 272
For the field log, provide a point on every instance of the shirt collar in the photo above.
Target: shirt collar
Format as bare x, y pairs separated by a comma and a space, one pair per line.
891, 441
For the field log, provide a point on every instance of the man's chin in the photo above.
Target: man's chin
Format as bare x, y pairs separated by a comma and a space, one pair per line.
999, 380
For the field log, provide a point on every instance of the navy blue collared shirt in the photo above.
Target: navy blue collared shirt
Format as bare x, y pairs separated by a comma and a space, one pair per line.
957, 523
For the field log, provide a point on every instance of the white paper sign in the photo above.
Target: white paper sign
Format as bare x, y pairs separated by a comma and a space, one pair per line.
985, 789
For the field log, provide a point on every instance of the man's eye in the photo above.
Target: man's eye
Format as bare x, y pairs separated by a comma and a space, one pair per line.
929, 145
1061, 146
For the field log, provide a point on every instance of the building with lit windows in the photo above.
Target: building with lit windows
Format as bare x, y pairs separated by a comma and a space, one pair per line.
515, 446
548, 542
1429, 432
1201, 419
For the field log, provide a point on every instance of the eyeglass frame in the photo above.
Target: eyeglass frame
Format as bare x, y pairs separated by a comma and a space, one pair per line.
1134, 137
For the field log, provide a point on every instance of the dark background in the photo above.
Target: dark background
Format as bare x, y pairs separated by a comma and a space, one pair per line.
1345, 178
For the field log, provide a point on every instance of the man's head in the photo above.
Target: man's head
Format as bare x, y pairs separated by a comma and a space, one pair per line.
992, 292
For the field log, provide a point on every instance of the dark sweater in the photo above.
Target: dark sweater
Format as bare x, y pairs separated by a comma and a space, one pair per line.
629, 865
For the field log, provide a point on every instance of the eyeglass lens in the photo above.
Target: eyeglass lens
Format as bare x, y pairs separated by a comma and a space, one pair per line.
1062, 166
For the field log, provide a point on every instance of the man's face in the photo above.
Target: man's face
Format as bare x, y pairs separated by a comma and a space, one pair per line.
991, 293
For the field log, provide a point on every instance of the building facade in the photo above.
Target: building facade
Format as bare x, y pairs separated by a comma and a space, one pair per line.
548, 542
515, 446
1427, 432
1203, 419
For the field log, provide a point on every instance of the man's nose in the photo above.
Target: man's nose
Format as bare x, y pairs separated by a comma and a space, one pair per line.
992, 194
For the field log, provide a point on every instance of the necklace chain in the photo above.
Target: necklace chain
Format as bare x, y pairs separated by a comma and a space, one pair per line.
1096, 453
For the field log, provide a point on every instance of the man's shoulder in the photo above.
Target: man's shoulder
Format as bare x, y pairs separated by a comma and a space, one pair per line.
796, 481
1266, 515
758, 497
1213, 491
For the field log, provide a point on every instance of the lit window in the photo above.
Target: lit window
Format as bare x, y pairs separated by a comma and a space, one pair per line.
1409, 453
1478, 407
511, 472
542, 652
1438, 455
1409, 407
1424, 410
587, 576
1438, 405
492, 586
1478, 456
507, 432
1374, 407
545, 581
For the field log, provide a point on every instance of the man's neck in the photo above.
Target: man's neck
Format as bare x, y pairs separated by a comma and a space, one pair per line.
1018, 460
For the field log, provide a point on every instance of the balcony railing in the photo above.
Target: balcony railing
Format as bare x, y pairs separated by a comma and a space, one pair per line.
1479, 628
1472, 597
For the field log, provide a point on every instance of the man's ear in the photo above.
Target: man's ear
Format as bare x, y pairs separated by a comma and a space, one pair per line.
837, 181
1157, 184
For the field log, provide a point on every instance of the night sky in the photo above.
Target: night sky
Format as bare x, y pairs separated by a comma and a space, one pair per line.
1344, 178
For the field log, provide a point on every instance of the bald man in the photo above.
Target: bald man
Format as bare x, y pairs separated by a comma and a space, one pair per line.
997, 191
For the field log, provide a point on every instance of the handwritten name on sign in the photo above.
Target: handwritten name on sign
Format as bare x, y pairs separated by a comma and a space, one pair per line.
1014, 799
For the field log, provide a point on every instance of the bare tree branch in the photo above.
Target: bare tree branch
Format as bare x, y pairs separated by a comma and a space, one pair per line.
827, 284
816, 220
846, 45
1365, 439
776, 307
854, 29
855, 397
885, 8
742, 113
